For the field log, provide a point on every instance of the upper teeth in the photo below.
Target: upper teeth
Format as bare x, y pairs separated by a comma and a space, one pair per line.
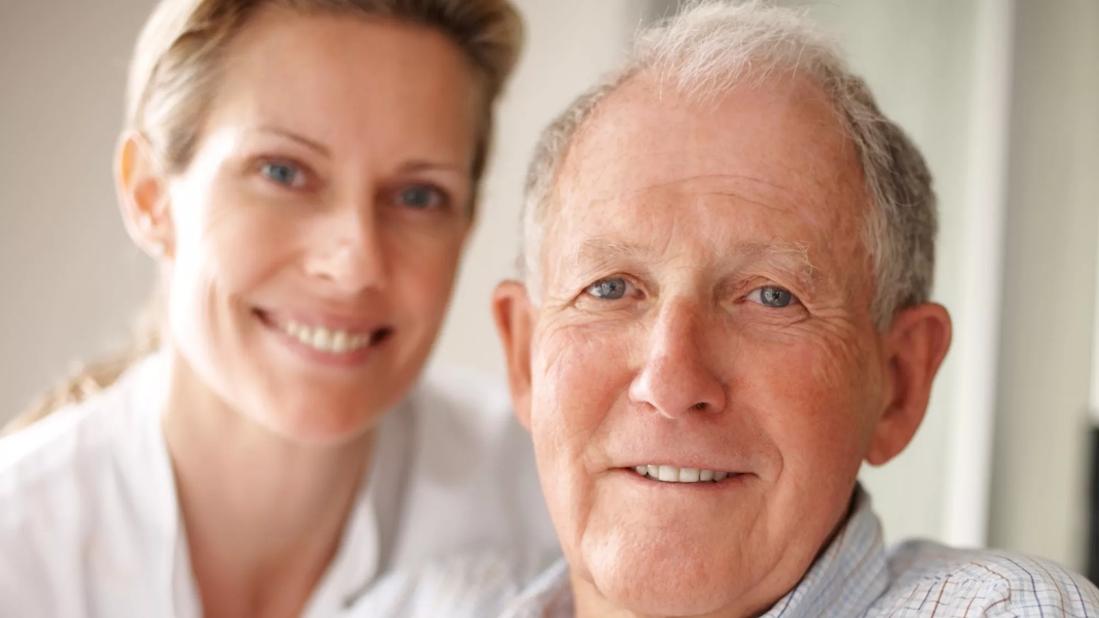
672, 474
325, 340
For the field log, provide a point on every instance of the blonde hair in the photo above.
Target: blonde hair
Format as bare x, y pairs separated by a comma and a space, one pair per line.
176, 70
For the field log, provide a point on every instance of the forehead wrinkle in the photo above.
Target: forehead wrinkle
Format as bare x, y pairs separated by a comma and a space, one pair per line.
708, 189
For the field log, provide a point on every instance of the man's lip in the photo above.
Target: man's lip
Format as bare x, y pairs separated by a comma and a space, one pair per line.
686, 477
655, 466
716, 463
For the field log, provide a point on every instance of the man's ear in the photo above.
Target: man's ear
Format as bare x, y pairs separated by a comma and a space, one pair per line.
514, 315
143, 196
915, 346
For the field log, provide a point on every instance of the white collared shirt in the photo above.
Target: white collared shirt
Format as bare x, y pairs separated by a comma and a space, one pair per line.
90, 524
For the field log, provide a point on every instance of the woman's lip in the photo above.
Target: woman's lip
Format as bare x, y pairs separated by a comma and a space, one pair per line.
329, 321
326, 347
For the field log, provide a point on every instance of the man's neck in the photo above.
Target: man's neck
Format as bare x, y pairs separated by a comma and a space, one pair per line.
263, 516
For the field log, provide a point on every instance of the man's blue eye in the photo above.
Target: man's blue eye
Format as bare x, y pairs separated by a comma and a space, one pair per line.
608, 289
421, 197
282, 173
775, 297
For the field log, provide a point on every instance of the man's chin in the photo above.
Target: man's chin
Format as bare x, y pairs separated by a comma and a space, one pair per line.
684, 584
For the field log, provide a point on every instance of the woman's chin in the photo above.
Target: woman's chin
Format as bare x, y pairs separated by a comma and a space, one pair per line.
319, 424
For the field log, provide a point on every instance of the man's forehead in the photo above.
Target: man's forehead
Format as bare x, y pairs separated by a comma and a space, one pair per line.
587, 199
782, 136
718, 212
772, 146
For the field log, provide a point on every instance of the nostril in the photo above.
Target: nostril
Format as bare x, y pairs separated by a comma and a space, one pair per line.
700, 406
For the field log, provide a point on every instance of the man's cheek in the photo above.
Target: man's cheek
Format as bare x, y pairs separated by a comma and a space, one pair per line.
579, 375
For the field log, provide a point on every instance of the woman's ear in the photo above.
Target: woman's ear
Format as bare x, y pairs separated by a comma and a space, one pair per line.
143, 196
514, 315
915, 346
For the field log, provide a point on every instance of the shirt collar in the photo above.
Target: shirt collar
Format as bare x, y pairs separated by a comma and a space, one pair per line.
365, 548
846, 578
849, 576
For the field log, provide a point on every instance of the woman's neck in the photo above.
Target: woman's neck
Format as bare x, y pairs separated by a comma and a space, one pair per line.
263, 515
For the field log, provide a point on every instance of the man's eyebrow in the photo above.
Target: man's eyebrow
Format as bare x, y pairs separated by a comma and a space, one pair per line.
790, 256
599, 252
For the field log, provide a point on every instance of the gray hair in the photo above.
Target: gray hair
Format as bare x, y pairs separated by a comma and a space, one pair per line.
710, 47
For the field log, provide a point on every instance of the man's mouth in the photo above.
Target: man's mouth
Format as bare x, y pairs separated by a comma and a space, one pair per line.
672, 474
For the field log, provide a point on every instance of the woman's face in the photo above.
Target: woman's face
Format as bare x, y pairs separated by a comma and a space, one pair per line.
316, 231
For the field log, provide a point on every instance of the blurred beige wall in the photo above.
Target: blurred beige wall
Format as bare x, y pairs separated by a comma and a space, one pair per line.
1041, 459
71, 281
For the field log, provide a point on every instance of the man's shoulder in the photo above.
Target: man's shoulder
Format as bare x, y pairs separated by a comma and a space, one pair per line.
932, 578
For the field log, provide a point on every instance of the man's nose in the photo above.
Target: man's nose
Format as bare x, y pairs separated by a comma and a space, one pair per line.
677, 377
348, 252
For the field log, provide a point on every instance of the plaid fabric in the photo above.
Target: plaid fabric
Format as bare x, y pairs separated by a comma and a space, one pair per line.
856, 577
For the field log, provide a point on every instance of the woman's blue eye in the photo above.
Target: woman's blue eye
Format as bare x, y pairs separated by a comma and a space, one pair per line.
776, 297
608, 289
421, 197
282, 173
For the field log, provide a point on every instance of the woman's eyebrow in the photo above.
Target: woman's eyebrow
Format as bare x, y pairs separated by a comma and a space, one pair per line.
412, 167
312, 144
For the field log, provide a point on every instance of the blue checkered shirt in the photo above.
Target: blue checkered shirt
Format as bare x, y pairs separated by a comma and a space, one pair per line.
855, 576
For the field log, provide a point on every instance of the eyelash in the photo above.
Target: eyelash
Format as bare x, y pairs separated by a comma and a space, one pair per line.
440, 198
626, 284
301, 173
791, 299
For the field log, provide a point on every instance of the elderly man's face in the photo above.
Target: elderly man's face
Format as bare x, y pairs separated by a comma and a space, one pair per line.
704, 317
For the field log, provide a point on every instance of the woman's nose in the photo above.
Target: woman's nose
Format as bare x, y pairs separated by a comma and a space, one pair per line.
349, 254
677, 377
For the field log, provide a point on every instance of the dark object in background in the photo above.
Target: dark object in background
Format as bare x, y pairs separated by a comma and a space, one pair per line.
1093, 510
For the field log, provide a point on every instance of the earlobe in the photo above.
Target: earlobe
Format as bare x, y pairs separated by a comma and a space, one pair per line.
916, 344
143, 196
512, 311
